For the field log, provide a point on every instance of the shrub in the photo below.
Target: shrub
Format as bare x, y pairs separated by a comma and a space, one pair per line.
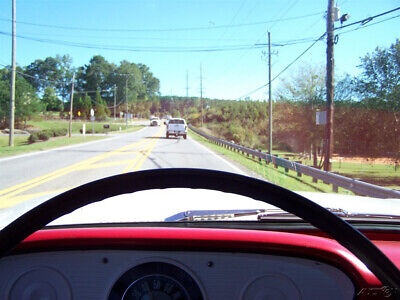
44, 135
60, 132
33, 138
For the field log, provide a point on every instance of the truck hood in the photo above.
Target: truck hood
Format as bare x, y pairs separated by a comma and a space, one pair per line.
157, 205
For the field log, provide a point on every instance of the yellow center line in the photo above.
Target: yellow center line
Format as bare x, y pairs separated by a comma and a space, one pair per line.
18, 199
19, 188
142, 156
105, 165
137, 167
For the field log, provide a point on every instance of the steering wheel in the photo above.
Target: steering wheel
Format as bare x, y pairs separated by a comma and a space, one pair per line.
340, 230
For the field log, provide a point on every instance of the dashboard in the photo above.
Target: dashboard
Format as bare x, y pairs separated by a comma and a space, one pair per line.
181, 263
122, 274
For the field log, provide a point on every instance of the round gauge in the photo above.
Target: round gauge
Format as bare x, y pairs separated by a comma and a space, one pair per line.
155, 280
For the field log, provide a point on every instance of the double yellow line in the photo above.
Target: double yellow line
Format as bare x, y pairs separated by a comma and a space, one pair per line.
142, 155
86, 164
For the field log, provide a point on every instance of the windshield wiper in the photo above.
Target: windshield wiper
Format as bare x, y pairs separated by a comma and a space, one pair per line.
266, 214
213, 215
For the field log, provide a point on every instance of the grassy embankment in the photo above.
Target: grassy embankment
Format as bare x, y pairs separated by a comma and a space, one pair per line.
22, 145
77, 126
383, 175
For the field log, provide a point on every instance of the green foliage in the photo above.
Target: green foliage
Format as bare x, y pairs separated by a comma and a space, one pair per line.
51, 101
27, 102
56, 72
101, 110
44, 135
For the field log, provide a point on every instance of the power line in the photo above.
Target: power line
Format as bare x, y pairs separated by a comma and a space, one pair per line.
363, 22
136, 49
157, 49
162, 29
281, 18
366, 20
284, 69
368, 25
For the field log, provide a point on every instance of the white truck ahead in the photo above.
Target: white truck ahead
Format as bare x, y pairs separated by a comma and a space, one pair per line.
176, 127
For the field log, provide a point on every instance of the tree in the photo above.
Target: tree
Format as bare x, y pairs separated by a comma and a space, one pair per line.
27, 103
379, 83
100, 107
52, 72
98, 74
86, 106
380, 77
51, 101
306, 91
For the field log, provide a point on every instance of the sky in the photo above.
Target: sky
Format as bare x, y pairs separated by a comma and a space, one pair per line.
156, 26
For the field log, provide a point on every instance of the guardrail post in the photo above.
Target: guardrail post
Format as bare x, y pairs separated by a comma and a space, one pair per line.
299, 174
286, 170
259, 157
354, 185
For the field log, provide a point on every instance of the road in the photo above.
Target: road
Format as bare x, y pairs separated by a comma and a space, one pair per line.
40, 175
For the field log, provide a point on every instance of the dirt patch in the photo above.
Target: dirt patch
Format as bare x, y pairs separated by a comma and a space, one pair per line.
365, 160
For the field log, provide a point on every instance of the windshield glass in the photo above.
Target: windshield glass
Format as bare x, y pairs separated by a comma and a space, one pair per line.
173, 121
296, 93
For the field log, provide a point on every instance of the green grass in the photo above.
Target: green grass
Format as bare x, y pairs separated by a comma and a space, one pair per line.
77, 126
384, 175
277, 176
22, 146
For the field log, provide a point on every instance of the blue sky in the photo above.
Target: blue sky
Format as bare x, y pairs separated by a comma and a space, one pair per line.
228, 74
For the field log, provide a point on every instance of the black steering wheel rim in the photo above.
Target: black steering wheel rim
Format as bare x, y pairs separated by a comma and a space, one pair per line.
340, 230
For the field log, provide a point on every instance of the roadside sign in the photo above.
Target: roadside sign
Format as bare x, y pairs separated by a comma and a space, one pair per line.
79, 113
92, 118
92, 112
320, 118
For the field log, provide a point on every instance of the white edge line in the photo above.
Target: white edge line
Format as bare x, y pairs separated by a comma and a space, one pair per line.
219, 157
67, 147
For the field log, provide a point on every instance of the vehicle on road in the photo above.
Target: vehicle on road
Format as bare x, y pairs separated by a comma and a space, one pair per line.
176, 127
155, 121
241, 210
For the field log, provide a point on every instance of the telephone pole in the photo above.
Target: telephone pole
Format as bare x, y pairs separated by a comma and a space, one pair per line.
187, 93
13, 63
126, 101
115, 100
71, 105
187, 85
269, 94
330, 19
201, 95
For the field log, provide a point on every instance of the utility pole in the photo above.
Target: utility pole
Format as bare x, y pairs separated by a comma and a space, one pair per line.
13, 63
187, 89
201, 95
71, 105
330, 19
115, 100
126, 101
269, 94
187, 84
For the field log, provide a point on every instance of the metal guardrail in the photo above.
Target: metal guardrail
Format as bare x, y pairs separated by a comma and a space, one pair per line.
356, 186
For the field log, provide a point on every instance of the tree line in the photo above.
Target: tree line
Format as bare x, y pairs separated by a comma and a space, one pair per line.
367, 106
45, 85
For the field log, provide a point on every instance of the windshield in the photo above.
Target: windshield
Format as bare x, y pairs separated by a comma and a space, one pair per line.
296, 93
176, 122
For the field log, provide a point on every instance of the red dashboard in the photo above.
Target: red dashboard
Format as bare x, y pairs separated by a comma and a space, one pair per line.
223, 240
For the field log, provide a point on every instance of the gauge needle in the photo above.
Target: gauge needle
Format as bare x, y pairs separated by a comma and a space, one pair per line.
148, 288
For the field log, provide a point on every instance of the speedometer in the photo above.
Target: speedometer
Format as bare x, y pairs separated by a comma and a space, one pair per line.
155, 280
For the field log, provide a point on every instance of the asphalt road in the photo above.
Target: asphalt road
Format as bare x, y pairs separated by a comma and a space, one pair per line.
44, 174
